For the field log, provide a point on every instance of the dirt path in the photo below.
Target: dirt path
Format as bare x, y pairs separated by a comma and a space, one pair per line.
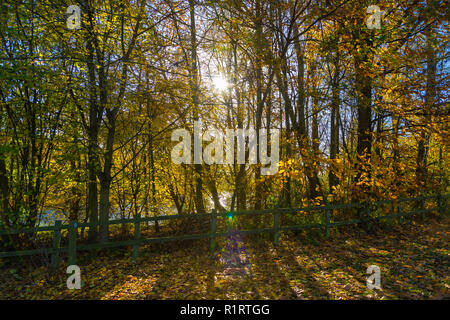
233, 257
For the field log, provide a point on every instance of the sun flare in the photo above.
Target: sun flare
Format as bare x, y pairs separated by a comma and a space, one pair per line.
220, 83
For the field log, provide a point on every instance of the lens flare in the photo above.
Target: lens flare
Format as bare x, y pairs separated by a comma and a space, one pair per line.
220, 83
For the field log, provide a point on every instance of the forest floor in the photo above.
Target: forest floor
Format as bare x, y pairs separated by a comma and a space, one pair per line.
413, 258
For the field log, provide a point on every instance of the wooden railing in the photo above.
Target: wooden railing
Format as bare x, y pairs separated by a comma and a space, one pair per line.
276, 228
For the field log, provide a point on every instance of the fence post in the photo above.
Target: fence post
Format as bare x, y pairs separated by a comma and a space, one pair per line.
327, 223
276, 226
212, 242
72, 243
137, 235
56, 242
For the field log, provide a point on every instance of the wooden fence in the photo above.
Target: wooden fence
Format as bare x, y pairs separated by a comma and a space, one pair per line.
327, 223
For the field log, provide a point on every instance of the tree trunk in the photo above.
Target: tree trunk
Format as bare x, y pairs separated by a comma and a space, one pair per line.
333, 180
363, 91
259, 99
105, 176
240, 181
430, 100
198, 168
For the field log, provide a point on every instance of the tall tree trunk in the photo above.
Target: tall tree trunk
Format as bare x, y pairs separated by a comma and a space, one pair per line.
259, 97
152, 177
364, 143
363, 91
95, 115
430, 100
240, 181
105, 176
282, 83
333, 180
93, 164
199, 204
315, 125
300, 82
300, 123
75, 196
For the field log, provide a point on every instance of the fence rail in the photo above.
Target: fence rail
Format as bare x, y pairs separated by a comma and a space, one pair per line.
327, 224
